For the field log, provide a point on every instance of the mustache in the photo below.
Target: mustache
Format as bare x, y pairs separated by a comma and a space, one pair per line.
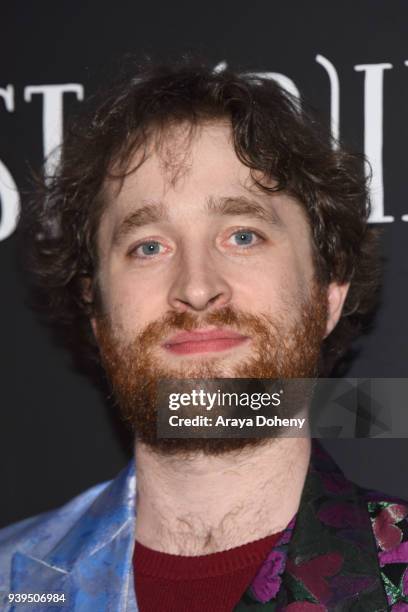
156, 331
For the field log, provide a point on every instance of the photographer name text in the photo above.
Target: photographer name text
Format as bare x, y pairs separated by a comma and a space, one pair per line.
240, 423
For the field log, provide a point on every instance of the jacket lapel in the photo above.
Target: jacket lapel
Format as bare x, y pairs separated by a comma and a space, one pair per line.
332, 557
92, 563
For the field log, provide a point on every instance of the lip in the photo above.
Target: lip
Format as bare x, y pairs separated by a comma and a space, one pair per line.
204, 341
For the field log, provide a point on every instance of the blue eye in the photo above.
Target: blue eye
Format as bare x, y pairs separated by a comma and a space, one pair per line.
244, 238
149, 248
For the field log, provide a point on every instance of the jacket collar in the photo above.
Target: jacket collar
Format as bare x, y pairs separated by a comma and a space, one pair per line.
332, 552
92, 563
327, 558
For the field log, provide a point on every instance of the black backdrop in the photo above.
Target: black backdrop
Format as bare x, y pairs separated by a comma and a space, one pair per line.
57, 436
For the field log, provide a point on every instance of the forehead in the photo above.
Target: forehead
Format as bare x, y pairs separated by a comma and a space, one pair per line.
186, 168
180, 155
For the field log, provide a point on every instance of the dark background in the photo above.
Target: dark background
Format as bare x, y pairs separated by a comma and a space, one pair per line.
57, 436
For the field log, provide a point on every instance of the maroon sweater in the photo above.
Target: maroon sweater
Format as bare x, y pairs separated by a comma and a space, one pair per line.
214, 582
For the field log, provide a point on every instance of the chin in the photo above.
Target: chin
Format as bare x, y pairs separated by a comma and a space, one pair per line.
199, 366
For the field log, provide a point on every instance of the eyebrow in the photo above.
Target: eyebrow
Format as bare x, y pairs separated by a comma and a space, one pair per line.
224, 206
241, 205
150, 213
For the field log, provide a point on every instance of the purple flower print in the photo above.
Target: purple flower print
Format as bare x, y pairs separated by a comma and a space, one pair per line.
400, 607
267, 582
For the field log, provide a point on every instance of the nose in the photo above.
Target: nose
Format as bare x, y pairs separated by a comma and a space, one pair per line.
199, 283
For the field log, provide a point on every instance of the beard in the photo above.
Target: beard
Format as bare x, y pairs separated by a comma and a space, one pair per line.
279, 350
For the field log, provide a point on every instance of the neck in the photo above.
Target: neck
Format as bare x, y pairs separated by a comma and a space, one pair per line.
207, 504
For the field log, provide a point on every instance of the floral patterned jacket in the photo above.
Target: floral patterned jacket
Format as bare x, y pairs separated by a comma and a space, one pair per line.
346, 549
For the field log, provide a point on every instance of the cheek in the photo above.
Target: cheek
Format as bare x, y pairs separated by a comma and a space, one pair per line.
270, 287
132, 302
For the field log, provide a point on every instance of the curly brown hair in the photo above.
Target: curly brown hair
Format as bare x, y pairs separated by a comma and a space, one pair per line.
272, 135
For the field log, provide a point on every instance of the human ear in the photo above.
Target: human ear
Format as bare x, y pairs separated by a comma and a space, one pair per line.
336, 296
87, 292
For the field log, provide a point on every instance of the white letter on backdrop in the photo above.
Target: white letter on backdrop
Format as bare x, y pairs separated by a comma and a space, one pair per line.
10, 203
53, 116
9, 196
373, 134
334, 96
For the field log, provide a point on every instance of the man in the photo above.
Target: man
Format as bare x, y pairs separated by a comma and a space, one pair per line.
199, 226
